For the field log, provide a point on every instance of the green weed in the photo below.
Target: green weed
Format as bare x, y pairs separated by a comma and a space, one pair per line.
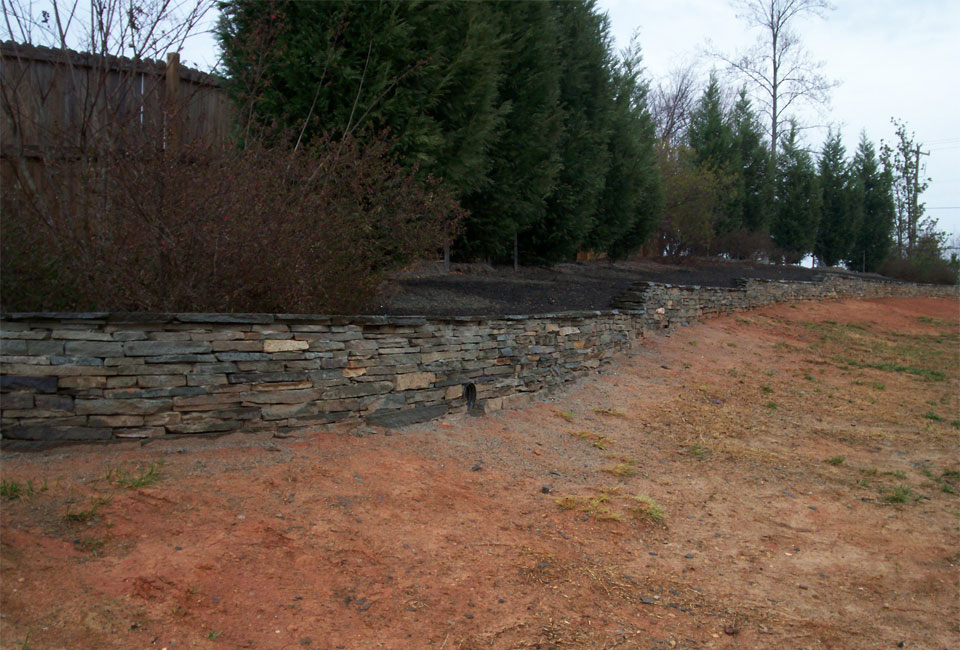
623, 470
836, 460
14, 490
930, 415
140, 478
899, 494
648, 508
698, 450
81, 516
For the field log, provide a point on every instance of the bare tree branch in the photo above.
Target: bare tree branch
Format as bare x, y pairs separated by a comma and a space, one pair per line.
778, 67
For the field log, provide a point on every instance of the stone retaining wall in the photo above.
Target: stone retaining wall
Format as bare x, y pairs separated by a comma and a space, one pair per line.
666, 305
103, 376
106, 377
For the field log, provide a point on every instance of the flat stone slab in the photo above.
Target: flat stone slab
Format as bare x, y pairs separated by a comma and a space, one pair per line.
397, 419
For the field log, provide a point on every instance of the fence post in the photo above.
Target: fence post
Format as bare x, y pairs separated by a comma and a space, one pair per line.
174, 121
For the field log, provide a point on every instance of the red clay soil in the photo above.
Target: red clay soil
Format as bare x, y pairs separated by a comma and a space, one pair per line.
521, 529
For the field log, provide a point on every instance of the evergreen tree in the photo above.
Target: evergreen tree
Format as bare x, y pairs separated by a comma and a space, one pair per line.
525, 160
874, 237
838, 209
585, 95
797, 200
631, 203
753, 185
710, 133
427, 72
711, 138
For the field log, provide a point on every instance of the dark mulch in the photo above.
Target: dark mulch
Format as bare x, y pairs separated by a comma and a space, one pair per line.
477, 289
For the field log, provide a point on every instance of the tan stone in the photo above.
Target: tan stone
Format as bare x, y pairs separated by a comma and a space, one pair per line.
284, 345
415, 380
354, 372
453, 392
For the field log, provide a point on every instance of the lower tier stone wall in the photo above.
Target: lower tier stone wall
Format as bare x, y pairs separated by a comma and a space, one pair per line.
108, 376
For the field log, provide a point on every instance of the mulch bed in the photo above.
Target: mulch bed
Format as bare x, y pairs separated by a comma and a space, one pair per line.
479, 289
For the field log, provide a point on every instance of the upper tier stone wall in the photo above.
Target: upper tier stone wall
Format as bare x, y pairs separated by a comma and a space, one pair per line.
109, 376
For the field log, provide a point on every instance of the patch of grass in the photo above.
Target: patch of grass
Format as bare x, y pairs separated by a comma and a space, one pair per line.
863, 483
611, 412
877, 385
622, 470
955, 424
899, 494
595, 507
836, 460
604, 513
896, 474
869, 471
925, 374
92, 545
731, 345
82, 516
623, 458
698, 450
930, 415
596, 440
140, 477
808, 376
566, 415
693, 343
10, 489
648, 508
570, 502
765, 389
213, 636
14, 490
771, 405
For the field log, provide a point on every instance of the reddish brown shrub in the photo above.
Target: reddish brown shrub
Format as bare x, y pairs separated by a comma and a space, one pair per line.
263, 229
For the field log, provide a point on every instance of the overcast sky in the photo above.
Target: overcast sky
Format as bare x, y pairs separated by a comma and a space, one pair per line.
893, 58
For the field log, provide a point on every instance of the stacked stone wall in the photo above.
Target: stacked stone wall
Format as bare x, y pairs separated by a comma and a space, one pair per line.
107, 377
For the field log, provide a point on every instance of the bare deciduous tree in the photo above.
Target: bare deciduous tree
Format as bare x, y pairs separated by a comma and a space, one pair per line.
671, 103
778, 66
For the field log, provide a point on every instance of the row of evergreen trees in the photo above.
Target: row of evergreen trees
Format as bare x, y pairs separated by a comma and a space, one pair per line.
545, 133
523, 108
836, 209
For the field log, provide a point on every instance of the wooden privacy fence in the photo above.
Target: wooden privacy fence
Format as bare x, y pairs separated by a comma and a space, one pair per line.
56, 101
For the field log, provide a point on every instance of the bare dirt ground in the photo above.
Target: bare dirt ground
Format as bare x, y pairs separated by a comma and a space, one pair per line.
804, 457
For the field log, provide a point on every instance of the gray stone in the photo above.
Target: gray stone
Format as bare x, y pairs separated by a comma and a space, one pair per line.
205, 426
39, 384
54, 402
157, 348
18, 400
244, 356
395, 419
358, 390
281, 396
181, 358
122, 406
266, 377
93, 349
44, 347
58, 433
